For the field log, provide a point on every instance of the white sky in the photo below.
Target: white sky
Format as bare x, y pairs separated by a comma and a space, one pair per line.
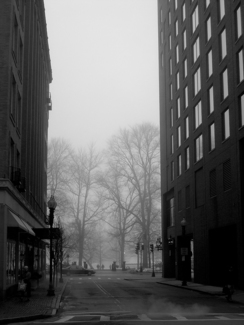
104, 57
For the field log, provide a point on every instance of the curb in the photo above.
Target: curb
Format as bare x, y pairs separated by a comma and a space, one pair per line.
23, 319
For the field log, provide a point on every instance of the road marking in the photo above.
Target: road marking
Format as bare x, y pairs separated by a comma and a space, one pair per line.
109, 278
144, 317
105, 318
222, 318
80, 278
118, 278
64, 319
99, 278
89, 278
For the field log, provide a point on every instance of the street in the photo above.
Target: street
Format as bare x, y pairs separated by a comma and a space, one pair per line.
112, 297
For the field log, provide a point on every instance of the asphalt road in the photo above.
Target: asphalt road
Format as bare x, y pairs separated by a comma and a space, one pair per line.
115, 297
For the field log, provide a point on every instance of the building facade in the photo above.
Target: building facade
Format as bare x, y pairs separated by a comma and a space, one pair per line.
201, 60
25, 103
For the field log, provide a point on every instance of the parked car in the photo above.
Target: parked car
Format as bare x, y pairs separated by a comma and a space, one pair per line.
75, 269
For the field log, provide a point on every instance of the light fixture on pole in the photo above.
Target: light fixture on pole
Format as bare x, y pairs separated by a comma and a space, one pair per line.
184, 250
52, 204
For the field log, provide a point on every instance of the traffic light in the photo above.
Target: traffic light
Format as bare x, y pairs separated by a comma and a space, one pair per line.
137, 248
151, 248
142, 246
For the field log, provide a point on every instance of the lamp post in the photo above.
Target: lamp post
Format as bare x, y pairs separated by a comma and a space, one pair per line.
152, 251
52, 206
184, 250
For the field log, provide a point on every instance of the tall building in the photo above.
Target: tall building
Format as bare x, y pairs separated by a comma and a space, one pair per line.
202, 138
25, 102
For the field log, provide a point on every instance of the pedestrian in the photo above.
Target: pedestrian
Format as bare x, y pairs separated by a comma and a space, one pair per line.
229, 283
27, 280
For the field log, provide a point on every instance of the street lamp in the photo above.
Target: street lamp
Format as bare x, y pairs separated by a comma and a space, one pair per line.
52, 206
184, 250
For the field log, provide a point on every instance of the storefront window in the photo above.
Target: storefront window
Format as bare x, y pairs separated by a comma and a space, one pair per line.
10, 265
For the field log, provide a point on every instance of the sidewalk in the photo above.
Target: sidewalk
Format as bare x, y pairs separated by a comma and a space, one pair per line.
39, 306
238, 296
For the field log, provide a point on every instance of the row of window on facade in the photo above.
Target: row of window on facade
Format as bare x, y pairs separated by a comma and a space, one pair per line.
196, 45
198, 142
11, 260
199, 191
195, 17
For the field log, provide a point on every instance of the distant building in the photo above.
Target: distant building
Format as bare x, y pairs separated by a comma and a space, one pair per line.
25, 102
201, 54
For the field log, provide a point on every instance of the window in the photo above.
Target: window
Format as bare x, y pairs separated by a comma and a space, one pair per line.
179, 165
171, 91
172, 143
187, 158
199, 188
207, 3
170, 66
224, 84
185, 68
172, 212
196, 50
210, 63
213, 183
13, 98
170, 42
208, 29
162, 58
226, 124
179, 200
178, 107
197, 81
176, 28
212, 137
195, 19
15, 38
177, 80
241, 109
223, 45
188, 198
240, 66
169, 18
227, 175
184, 12
221, 5
172, 170
176, 4
18, 112
162, 36
210, 100
186, 96
187, 127
199, 148
184, 40
198, 114
238, 23
171, 117
179, 136
177, 53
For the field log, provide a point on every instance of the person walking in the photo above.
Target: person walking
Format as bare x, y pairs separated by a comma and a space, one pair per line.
27, 280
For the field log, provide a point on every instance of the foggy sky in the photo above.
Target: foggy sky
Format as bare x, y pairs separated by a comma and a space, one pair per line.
104, 57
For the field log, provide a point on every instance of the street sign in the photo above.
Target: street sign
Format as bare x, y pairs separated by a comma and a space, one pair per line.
184, 251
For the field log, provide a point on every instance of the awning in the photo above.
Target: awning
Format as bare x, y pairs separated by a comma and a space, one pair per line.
15, 222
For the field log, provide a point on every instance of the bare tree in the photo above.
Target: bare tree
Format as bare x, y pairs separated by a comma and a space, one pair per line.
136, 153
87, 204
59, 155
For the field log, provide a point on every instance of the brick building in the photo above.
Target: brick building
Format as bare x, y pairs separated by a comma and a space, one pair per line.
25, 72
202, 137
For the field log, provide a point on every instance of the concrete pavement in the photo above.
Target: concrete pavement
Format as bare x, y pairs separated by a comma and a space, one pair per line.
40, 305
